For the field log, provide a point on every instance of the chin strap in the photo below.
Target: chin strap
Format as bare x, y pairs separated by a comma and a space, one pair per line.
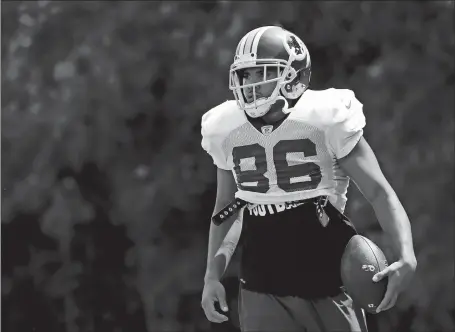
280, 104
285, 108
275, 104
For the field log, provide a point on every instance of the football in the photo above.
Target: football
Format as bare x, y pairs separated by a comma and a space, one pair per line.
361, 260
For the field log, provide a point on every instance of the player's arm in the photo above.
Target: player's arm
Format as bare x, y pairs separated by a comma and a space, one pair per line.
363, 168
226, 188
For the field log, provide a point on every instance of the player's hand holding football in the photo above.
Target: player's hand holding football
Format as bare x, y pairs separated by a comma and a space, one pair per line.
214, 292
399, 274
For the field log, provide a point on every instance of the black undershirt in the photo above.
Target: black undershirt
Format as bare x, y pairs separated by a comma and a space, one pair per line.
259, 122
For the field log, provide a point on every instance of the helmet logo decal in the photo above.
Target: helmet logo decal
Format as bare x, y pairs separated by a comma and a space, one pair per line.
294, 45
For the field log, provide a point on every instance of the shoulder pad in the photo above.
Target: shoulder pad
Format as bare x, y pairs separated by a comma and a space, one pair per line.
216, 125
337, 112
222, 118
348, 121
326, 107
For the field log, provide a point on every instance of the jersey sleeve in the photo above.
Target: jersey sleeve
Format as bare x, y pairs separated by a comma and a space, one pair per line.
348, 123
212, 140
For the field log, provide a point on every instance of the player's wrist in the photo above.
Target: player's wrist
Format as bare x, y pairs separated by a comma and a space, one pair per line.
407, 256
213, 274
409, 261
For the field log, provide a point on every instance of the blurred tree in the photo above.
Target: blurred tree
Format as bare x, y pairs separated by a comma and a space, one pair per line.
107, 193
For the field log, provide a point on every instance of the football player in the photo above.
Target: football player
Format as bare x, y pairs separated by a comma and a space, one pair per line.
285, 155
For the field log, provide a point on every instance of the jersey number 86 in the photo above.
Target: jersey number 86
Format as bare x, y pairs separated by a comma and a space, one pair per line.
284, 172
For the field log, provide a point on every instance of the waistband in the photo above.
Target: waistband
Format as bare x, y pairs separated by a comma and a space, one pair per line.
238, 203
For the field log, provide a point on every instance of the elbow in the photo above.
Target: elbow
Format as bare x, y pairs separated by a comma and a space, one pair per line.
380, 194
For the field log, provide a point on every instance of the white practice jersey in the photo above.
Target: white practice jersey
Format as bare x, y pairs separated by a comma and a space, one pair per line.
298, 159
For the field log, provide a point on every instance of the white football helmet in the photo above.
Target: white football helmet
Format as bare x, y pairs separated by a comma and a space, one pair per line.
271, 48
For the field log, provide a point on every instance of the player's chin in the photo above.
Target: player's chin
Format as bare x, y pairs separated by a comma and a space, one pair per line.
251, 100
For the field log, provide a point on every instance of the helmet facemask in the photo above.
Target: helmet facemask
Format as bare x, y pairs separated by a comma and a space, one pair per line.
289, 85
259, 106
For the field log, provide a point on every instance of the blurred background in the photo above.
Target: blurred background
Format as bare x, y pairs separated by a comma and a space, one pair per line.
107, 193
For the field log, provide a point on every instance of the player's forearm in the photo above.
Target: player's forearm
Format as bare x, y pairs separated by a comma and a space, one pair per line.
395, 223
215, 268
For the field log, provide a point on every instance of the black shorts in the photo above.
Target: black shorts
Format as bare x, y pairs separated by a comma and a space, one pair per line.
269, 313
287, 251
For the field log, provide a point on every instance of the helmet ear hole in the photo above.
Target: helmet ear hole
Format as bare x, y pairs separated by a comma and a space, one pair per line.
295, 88
290, 76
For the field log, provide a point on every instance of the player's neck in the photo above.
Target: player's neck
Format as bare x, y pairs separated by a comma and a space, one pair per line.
272, 118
